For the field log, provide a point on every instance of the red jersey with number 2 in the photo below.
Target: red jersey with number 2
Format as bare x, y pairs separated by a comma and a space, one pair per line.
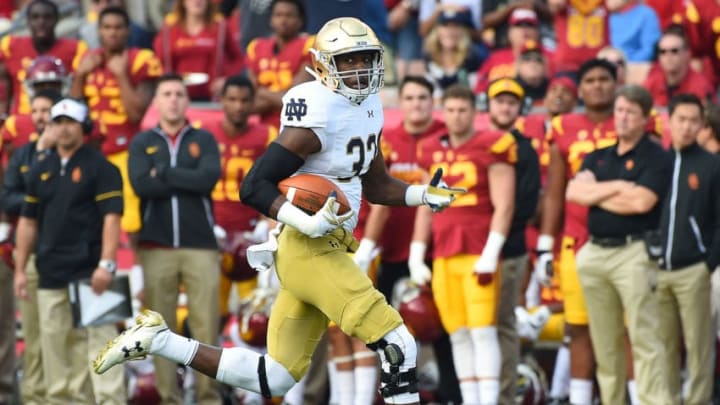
463, 227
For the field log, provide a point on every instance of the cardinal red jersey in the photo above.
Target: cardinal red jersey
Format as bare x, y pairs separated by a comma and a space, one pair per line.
576, 136
17, 53
212, 51
103, 94
693, 83
581, 30
399, 149
668, 11
16, 132
237, 155
462, 228
702, 25
274, 69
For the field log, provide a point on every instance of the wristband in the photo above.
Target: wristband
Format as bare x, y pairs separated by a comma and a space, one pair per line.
417, 251
494, 244
365, 248
545, 243
415, 195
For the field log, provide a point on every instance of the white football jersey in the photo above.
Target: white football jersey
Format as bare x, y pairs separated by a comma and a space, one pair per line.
347, 132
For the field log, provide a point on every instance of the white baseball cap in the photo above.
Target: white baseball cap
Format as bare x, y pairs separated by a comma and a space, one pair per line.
70, 108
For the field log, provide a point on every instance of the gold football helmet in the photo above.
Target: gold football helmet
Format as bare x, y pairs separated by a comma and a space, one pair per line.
341, 36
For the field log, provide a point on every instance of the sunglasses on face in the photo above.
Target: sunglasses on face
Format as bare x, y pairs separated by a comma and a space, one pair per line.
673, 51
532, 57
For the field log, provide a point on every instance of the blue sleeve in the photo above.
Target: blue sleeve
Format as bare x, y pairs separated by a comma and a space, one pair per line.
649, 35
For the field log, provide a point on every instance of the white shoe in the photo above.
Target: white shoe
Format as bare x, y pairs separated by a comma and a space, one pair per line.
133, 343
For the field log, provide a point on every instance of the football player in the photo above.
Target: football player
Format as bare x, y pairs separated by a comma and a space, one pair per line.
278, 62
241, 143
45, 72
118, 84
330, 128
17, 53
467, 240
571, 137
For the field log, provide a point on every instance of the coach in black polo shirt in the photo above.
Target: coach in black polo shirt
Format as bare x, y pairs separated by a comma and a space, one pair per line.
624, 186
71, 217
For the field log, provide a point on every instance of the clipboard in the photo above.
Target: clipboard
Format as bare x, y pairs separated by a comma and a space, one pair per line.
90, 309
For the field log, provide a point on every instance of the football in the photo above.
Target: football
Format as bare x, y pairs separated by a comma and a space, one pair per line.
309, 192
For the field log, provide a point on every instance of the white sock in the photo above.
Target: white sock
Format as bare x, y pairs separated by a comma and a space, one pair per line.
561, 374
346, 386
489, 391
488, 362
333, 382
295, 395
581, 391
174, 347
464, 359
365, 385
632, 391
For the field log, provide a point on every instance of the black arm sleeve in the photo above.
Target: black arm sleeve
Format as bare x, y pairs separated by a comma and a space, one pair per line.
13, 189
259, 188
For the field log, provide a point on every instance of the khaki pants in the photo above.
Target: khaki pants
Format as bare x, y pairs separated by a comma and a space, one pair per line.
684, 302
618, 284
511, 273
199, 271
33, 385
7, 334
67, 354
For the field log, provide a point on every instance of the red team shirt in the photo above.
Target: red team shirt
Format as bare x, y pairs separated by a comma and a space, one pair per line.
212, 51
581, 31
702, 25
400, 150
106, 107
275, 69
501, 63
463, 227
16, 132
237, 155
17, 53
576, 136
694, 83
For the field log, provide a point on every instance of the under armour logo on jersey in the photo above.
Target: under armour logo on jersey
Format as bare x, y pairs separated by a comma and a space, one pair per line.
295, 110
334, 244
371, 114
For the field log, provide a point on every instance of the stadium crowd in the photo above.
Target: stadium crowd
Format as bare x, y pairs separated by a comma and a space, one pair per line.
577, 269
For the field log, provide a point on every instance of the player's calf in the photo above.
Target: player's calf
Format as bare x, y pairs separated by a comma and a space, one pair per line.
398, 379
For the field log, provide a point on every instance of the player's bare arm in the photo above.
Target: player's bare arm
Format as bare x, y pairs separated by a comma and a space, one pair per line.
553, 201
381, 188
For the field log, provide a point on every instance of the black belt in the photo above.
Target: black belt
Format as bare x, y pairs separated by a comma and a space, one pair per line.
616, 242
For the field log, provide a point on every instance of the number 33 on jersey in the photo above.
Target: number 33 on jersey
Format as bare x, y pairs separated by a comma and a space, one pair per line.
348, 133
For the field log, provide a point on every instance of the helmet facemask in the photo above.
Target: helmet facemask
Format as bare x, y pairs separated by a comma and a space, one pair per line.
343, 36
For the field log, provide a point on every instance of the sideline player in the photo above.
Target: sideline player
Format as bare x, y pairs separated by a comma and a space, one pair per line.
571, 137
468, 239
241, 143
318, 279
